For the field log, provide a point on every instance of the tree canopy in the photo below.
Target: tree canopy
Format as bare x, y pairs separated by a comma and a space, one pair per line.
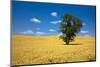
70, 26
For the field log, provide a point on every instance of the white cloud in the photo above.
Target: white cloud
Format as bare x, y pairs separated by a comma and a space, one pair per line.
87, 35
60, 34
27, 32
84, 31
40, 33
35, 20
54, 14
55, 22
52, 30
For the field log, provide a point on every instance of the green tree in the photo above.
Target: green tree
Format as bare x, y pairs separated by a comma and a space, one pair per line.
70, 26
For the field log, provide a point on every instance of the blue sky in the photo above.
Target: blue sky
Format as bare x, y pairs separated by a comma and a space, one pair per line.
43, 19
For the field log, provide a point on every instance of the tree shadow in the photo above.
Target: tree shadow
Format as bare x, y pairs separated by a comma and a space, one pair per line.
74, 44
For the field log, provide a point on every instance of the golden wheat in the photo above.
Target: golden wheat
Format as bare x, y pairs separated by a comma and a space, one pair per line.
51, 49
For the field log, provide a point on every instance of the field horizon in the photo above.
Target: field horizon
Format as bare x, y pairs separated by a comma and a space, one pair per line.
51, 49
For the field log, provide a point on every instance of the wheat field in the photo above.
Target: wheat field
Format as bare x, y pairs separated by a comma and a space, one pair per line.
51, 49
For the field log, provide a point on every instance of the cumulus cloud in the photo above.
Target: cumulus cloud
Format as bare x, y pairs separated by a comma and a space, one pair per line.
54, 14
60, 34
27, 32
52, 30
87, 35
56, 22
35, 20
84, 31
39, 33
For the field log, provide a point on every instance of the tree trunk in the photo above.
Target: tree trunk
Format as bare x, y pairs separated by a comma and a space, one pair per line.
67, 43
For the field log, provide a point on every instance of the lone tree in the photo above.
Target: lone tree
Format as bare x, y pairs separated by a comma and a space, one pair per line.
70, 26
